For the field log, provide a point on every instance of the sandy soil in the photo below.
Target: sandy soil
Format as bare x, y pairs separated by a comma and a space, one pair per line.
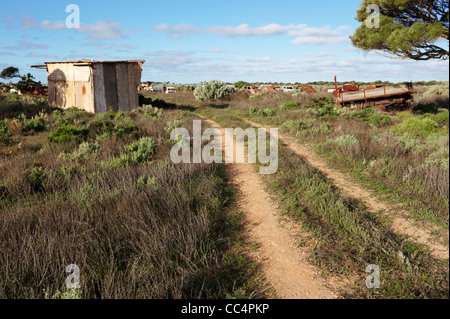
284, 264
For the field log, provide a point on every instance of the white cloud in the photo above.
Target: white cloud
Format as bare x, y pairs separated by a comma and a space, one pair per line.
245, 30
324, 54
52, 25
302, 33
177, 29
266, 59
102, 30
319, 40
25, 45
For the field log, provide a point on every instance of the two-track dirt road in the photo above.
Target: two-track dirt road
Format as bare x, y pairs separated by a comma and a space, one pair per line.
284, 264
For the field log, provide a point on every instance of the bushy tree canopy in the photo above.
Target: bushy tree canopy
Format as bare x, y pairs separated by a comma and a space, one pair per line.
414, 29
10, 73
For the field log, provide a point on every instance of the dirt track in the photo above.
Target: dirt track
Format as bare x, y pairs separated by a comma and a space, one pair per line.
402, 222
284, 264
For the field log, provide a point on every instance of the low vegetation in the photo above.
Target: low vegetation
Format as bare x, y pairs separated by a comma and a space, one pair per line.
403, 155
100, 191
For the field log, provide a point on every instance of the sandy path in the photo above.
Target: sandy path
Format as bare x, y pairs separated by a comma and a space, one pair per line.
402, 221
284, 264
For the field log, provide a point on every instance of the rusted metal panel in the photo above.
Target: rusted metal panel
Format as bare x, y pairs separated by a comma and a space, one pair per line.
134, 79
99, 89
51, 94
110, 80
122, 86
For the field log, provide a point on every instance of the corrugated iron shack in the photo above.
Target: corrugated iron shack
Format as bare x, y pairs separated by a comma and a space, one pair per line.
94, 86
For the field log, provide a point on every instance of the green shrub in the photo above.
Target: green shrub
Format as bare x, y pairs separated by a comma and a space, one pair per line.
323, 129
256, 96
144, 181
288, 105
151, 112
100, 127
293, 125
269, 112
5, 133
36, 124
369, 117
442, 119
67, 133
142, 150
37, 177
124, 125
138, 152
59, 118
440, 157
426, 108
212, 90
346, 141
84, 151
327, 110
255, 111
171, 125
323, 106
296, 125
418, 127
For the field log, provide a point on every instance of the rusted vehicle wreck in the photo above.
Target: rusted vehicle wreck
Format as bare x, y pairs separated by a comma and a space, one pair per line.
380, 96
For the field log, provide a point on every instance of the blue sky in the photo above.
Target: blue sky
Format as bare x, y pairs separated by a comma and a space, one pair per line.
192, 41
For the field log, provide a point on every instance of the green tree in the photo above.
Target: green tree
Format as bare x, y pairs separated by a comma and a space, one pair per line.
10, 73
26, 80
414, 29
241, 84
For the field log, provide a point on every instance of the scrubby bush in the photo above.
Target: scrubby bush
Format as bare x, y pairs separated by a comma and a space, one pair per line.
439, 157
269, 112
426, 108
142, 150
296, 125
186, 88
138, 152
5, 133
442, 119
288, 105
255, 111
144, 182
346, 141
418, 127
438, 90
369, 116
36, 124
124, 125
256, 96
67, 133
84, 151
151, 112
212, 90
100, 127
